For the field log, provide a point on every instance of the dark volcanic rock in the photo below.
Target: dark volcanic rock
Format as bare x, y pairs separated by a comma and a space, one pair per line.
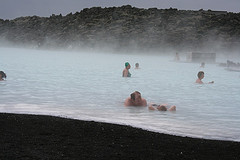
26, 137
126, 27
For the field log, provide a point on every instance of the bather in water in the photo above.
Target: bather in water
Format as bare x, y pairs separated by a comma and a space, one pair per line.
126, 72
3, 76
161, 107
135, 99
200, 77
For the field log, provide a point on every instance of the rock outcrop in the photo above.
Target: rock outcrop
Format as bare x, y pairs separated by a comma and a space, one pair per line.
126, 27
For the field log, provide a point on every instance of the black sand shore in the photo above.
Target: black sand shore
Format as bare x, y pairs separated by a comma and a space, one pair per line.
47, 137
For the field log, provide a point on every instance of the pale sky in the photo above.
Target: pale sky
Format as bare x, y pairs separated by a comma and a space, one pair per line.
10, 9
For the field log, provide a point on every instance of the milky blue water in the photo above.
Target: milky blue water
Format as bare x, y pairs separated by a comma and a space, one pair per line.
89, 86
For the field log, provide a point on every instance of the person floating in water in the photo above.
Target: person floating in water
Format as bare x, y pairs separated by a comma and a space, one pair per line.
200, 77
137, 66
126, 72
161, 107
2, 76
135, 99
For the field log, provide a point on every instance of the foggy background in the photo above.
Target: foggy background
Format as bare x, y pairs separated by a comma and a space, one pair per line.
36, 32
10, 9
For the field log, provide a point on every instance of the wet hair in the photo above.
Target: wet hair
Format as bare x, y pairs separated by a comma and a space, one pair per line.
162, 108
133, 95
200, 73
3, 74
137, 92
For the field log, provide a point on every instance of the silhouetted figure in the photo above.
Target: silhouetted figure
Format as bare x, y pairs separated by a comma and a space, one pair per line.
202, 65
137, 66
177, 58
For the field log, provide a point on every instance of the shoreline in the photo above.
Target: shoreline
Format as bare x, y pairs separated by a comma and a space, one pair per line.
127, 125
25, 136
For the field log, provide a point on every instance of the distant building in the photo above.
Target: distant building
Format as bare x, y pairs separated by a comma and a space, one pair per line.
218, 12
214, 12
201, 57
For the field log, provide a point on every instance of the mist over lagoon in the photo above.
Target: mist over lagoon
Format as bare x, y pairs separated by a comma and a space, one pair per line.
88, 86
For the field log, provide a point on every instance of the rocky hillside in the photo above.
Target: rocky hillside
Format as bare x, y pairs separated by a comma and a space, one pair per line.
126, 27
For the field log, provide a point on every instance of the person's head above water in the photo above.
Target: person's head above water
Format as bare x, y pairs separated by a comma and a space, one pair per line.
2, 75
136, 96
127, 65
137, 65
200, 74
162, 108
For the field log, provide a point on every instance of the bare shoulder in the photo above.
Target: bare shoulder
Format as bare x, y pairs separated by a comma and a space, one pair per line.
127, 102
